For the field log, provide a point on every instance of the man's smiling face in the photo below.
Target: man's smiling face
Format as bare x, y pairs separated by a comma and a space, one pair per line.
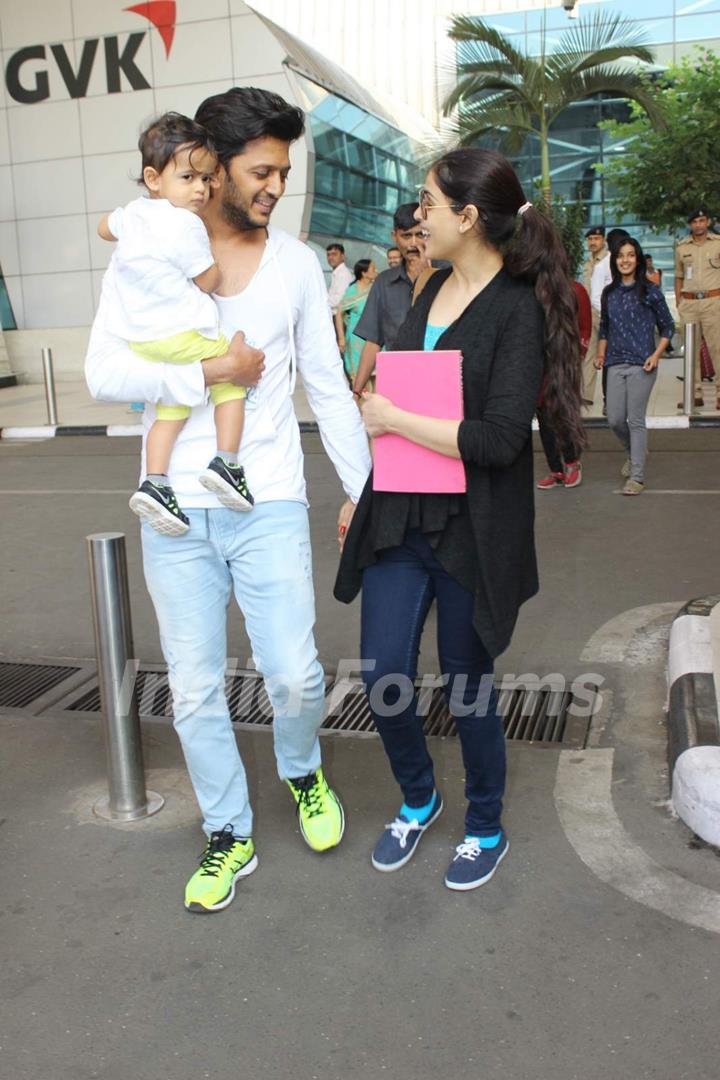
253, 181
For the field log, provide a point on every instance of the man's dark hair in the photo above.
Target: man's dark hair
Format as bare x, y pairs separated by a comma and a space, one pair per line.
404, 216
614, 237
160, 142
336, 247
392, 248
244, 113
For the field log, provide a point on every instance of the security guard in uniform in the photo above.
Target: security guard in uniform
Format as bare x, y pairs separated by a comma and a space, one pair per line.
697, 288
597, 250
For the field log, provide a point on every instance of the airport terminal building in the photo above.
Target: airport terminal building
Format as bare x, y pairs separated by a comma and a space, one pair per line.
673, 29
83, 77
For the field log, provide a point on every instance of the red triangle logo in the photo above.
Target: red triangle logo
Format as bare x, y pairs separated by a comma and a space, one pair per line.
162, 14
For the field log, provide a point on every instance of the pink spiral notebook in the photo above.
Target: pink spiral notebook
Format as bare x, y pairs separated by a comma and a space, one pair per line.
428, 383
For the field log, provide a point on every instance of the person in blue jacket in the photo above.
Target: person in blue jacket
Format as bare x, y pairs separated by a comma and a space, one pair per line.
632, 307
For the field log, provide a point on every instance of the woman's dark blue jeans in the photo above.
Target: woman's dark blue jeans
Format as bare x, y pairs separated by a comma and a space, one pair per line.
396, 597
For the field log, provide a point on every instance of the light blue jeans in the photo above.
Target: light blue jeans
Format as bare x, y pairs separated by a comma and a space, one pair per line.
264, 558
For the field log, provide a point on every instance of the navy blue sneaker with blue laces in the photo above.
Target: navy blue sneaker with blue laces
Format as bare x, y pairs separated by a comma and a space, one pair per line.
473, 865
400, 838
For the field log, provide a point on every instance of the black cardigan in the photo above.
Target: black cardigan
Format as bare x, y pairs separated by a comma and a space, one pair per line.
501, 336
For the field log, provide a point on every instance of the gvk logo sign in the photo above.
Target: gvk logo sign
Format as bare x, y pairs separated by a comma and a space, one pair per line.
29, 89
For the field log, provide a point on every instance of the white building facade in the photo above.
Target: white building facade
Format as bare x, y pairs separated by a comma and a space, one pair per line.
82, 78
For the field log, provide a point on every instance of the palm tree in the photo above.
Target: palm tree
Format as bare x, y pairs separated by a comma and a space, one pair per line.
505, 92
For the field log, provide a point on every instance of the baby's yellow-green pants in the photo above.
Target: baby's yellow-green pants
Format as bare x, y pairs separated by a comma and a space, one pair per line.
187, 348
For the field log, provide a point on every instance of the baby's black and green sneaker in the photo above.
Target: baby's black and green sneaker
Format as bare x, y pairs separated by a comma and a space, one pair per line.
158, 505
228, 482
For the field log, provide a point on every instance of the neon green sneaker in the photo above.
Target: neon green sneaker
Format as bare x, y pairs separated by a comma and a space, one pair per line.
225, 859
320, 814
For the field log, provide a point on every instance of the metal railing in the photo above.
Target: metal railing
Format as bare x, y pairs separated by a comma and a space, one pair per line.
127, 799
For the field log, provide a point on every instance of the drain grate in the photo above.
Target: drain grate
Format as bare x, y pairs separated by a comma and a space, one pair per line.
245, 692
531, 715
21, 684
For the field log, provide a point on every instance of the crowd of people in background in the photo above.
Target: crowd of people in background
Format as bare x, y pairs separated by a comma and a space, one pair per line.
624, 325
369, 307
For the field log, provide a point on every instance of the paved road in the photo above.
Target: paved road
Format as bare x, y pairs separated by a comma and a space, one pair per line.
599, 554
593, 955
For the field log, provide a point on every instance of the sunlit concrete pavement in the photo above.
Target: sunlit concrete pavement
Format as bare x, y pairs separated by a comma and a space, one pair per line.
593, 952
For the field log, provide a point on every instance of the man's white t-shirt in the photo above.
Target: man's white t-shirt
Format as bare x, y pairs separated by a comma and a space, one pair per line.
148, 284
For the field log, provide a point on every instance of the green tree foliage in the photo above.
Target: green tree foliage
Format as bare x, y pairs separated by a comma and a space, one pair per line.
665, 172
506, 93
569, 220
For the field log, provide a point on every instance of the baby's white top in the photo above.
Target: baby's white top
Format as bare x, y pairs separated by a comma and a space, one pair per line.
148, 283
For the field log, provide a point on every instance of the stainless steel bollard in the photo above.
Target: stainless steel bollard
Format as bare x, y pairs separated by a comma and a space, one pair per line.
49, 377
691, 343
127, 799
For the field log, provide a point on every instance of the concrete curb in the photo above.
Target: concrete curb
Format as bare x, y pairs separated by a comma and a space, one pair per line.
48, 431
693, 723
654, 423
112, 430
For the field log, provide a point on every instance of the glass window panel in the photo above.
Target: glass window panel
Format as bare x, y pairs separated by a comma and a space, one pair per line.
365, 168
574, 141
563, 163
698, 27
658, 31
329, 180
579, 117
407, 174
312, 93
7, 318
329, 143
389, 198
361, 155
373, 130
385, 167
566, 188
509, 23
637, 9
328, 216
615, 109
362, 190
369, 224
553, 40
339, 113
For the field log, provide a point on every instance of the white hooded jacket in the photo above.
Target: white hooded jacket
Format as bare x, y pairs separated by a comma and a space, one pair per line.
284, 311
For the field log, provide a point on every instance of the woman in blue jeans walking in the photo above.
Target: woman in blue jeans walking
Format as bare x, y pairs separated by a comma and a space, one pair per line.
507, 303
631, 309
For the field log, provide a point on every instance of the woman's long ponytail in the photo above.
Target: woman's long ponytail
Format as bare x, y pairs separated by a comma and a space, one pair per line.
537, 254
532, 250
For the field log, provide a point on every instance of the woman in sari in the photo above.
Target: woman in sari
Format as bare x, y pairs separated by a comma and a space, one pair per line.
348, 314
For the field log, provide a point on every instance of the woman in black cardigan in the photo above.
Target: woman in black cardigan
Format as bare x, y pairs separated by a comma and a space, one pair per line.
507, 303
